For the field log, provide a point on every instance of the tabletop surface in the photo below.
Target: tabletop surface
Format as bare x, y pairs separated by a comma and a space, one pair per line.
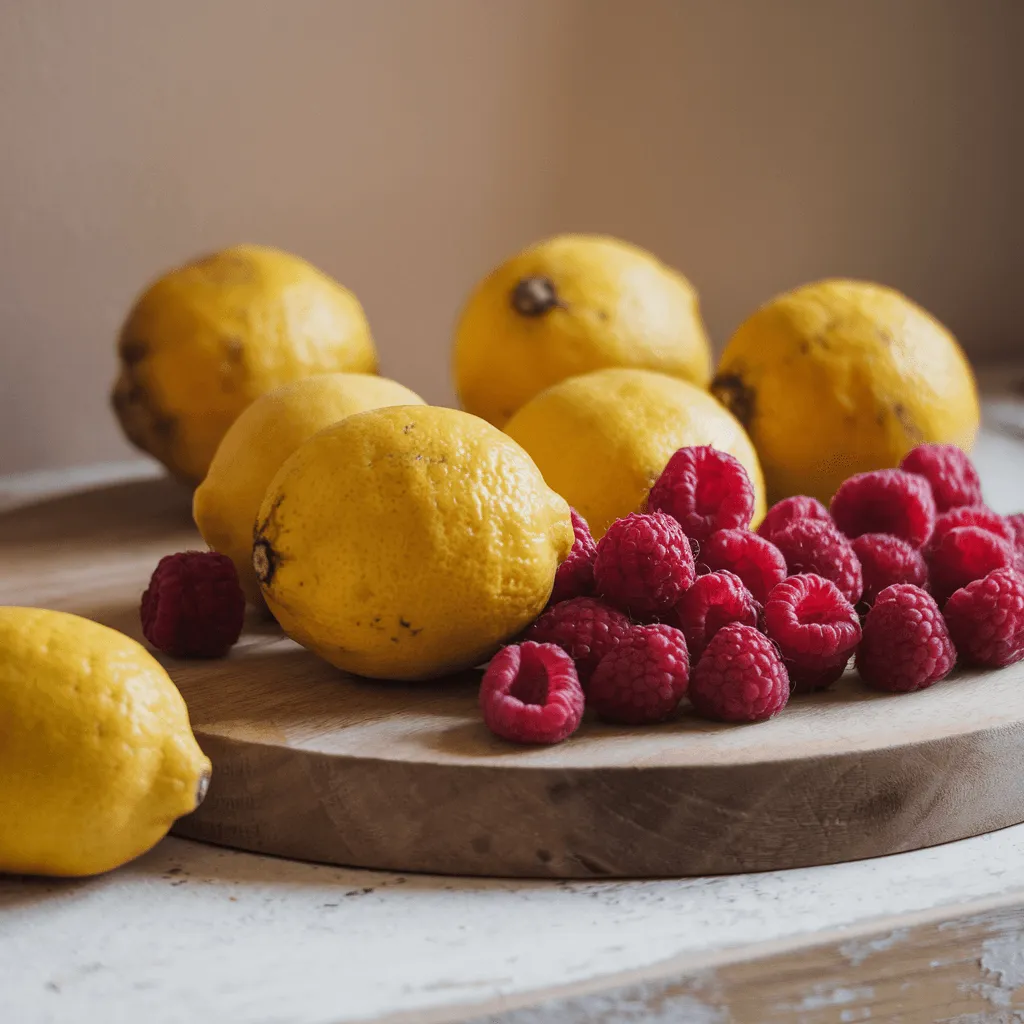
191, 932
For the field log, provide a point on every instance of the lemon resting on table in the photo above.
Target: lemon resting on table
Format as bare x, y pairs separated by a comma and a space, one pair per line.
603, 438
569, 305
409, 542
206, 339
225, 504
97, 756
840, 377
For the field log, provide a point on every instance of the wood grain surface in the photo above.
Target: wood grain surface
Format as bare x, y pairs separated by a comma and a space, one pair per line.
311, 764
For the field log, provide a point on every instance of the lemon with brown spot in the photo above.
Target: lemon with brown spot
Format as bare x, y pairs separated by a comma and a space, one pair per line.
603, 438
205, 340
409, 542
256, 445
97, 756
840, 377
569, 305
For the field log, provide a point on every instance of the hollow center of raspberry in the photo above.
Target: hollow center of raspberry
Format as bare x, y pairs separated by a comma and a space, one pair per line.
531, 683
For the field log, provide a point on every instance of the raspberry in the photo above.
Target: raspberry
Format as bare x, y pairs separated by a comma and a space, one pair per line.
986, 619
644, 563
194, 606
784, 512
1016, 523
906, 644
950, 473
586, 629
965, 554
530, 693
740, 677
814, 546
886, 501
757, 562
704, 490
712, 602
973, 515
643, 679
885, 560
575, 576
815, 627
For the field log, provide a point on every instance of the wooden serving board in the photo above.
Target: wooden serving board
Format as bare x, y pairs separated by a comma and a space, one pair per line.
311, 764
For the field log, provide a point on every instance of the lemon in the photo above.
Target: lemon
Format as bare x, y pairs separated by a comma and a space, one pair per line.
409, 542
569, 305
206, 339
602, 439
840, 377
97, 757
257, 443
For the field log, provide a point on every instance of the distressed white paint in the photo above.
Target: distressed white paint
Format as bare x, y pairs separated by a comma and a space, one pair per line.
858, 950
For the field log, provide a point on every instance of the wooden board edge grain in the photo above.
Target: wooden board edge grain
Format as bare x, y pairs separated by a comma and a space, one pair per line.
621, 822
957, 964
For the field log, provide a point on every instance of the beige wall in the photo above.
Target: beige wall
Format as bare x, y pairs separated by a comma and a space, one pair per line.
407, 145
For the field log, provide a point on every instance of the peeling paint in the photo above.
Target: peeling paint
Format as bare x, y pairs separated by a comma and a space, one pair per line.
858, 950
821, 997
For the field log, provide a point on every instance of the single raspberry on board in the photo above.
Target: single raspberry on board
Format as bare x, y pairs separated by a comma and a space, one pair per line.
973, 515
714, 601
986, 619
965, 554
784, 512
585, 628
885, 501
950, 473
740, 677
530, 693
816, 546
906, 644
643, 679
815, 627
575, 576
756, 561
704, 490
194, 606
885, 560
644, 564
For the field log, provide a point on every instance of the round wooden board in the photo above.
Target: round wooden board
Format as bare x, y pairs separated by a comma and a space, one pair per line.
311, 764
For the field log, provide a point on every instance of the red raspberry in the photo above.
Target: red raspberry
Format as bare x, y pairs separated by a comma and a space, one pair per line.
704, 490
712, 602
575, 576
885, 560
950, 473
194, 606
586, 629
815, 627
757, 562
1016, 523
784, 512
644, 563
986, 619
814, 546
740, 677
906, 644
886, 501
965, 554
530, 693
643, 679
972, 515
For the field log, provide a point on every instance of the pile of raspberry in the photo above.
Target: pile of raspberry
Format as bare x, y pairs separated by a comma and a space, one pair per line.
907, 573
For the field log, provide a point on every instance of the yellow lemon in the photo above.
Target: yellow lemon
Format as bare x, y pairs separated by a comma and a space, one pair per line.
206, 339
409, 542
569, 305
257, 443
840, 377
96, 754
602, 439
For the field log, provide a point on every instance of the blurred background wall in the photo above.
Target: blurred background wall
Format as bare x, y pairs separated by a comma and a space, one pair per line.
406, 146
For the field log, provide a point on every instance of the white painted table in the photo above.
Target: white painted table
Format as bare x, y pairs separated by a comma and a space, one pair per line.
191, 933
